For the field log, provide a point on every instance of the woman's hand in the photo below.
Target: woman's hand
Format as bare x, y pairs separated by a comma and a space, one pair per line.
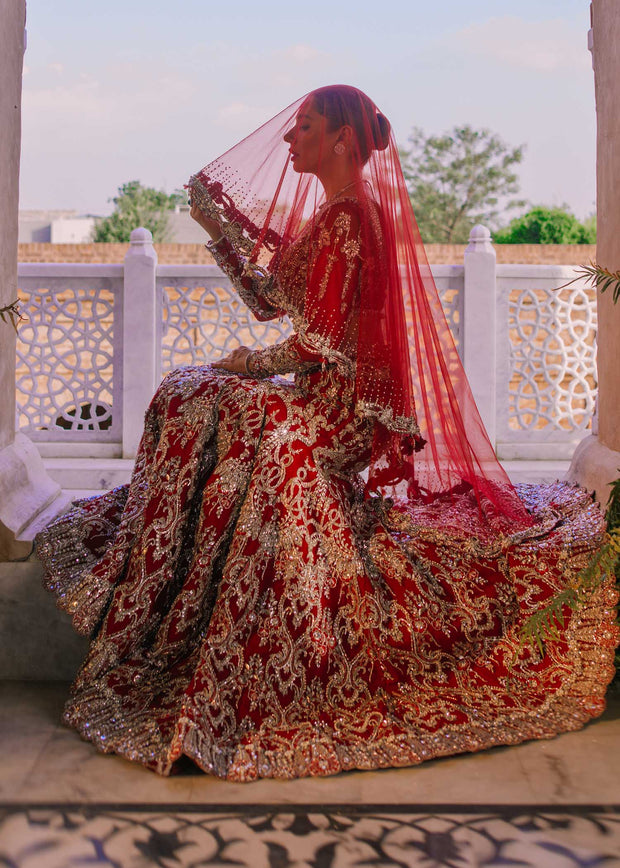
210, 226
234, 362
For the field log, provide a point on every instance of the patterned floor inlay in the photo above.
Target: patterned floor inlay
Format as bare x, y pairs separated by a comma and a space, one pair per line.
173, 836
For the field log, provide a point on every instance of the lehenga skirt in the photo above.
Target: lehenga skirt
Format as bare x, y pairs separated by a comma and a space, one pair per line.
251, 610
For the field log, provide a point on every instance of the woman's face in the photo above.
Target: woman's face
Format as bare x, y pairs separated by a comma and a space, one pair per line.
311, 145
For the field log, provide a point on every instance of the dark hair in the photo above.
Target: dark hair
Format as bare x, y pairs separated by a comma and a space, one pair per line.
341, 104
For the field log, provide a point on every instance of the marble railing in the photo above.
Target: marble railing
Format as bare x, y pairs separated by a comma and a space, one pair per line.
98, 338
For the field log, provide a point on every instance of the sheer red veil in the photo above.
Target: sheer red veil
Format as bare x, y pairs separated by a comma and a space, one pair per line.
430, 442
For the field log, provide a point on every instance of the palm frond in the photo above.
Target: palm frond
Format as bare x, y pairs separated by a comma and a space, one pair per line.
612, 510
548, 622
10, 313
599, 277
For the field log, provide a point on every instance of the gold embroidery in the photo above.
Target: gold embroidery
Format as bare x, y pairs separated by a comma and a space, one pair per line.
250, 609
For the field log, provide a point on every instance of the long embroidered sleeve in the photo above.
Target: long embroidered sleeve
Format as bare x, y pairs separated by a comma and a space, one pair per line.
327, 264
244, 282
285, 357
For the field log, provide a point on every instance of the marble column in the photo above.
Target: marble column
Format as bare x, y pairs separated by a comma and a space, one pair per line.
26, 491
13, 17
596, 461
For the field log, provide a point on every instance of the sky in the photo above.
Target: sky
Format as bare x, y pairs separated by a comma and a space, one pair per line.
152, 91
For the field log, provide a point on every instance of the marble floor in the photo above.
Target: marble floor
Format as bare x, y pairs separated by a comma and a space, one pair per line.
548, 803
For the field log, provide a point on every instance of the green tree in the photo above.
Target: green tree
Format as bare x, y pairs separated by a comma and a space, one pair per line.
135, 206
543, 225
589, 225
457, 180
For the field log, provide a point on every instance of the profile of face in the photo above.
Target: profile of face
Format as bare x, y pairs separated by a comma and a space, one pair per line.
311, 143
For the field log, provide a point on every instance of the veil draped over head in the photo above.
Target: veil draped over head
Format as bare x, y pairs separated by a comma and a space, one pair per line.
429, 438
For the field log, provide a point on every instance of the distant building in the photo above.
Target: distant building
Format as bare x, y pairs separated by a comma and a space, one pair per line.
55, 227
72, 230
70, 227
182, 229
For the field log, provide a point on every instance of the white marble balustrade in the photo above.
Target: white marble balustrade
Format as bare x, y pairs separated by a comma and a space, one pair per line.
99, 337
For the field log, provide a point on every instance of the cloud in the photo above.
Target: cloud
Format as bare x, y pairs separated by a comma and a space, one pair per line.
82, 98
303, 53
241, 116
543, 46
233, 111
286, 72
292, 69
107, 99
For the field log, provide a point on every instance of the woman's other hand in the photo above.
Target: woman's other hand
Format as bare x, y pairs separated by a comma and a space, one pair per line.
210, 226
234, 362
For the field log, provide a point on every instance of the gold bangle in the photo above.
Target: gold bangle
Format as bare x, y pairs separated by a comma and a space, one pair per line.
247, 364
211, 244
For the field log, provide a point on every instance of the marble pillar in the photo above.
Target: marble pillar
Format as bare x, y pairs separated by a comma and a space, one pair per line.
26, 492
13, 17
596, 461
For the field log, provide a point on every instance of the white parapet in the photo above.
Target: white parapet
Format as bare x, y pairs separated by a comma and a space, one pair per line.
527, 344
26, 491
479, 330
595, 467
141, 337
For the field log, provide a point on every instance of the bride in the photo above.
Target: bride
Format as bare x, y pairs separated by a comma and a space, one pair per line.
327, 572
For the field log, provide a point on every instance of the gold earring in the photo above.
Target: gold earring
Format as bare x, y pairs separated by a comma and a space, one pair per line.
339, 148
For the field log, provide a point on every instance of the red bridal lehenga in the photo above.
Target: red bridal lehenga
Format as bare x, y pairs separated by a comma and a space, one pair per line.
328, 572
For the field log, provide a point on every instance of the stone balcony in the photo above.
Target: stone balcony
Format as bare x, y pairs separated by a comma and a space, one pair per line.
529, 352
98, 338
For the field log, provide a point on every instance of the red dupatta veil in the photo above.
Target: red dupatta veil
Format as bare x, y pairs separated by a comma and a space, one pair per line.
430, 441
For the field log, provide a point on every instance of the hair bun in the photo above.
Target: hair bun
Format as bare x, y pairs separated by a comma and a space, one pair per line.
342, 104
382, 132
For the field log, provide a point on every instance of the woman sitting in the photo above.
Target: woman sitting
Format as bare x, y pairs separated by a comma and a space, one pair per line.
327, 573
